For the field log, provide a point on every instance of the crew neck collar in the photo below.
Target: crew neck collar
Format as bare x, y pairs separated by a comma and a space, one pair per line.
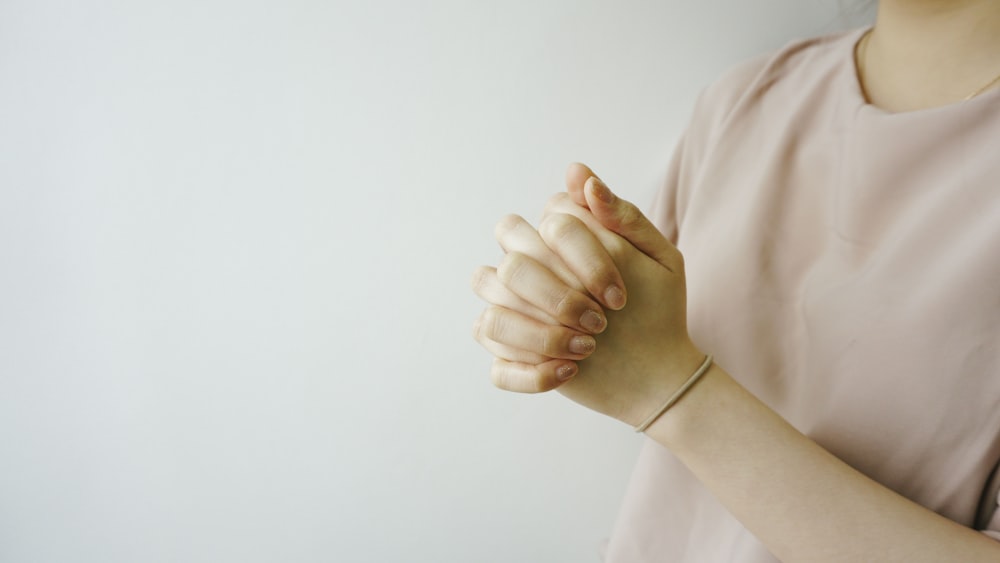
861, 104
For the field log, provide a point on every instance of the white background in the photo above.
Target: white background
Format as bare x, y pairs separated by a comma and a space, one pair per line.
235, 246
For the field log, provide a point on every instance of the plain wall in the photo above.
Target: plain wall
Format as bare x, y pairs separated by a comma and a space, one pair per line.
236, 239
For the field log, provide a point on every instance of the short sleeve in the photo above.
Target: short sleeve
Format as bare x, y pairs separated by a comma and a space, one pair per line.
713, 106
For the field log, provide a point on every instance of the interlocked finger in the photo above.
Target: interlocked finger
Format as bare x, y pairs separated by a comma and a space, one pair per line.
622, 230
510, 354
488, 286
561, 203
516, 235
527, 378
523, 333
576, 244
540, 287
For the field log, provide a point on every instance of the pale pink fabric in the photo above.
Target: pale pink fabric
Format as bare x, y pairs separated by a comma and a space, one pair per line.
844, 265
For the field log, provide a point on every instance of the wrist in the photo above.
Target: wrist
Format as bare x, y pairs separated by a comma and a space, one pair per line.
677, 395
664, 378
691, 421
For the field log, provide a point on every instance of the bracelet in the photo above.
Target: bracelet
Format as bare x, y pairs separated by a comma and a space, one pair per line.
677, 394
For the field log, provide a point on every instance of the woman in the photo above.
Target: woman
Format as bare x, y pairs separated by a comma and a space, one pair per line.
837, 208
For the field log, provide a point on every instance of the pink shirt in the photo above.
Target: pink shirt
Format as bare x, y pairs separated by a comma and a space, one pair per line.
844, 265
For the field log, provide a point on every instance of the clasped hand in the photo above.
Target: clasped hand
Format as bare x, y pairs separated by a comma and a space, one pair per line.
592, 303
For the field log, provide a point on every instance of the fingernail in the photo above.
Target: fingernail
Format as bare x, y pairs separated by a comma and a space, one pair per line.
565, 371
601, 191
592, 321
582, 344
614, 297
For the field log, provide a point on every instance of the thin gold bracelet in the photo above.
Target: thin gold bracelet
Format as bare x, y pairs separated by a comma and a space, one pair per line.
677, 394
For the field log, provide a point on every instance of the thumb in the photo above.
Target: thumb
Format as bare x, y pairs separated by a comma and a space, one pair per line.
626, 220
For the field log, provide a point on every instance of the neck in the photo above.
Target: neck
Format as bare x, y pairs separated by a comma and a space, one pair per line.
926, 53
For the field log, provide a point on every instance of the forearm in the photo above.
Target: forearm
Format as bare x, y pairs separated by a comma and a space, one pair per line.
797, 498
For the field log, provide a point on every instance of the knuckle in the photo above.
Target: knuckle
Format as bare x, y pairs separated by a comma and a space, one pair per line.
533, 358
616, 247
506, 224
521, 378
558, 227
480, 279
491, 323
556, 202
600, 274
503, 376
498, 377
565, 305
554, 342
511, 266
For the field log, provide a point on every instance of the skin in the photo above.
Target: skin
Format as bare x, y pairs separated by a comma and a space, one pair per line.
803, 503
928, 53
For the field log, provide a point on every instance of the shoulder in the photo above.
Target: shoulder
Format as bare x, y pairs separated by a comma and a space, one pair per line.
759, 94
797, 64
